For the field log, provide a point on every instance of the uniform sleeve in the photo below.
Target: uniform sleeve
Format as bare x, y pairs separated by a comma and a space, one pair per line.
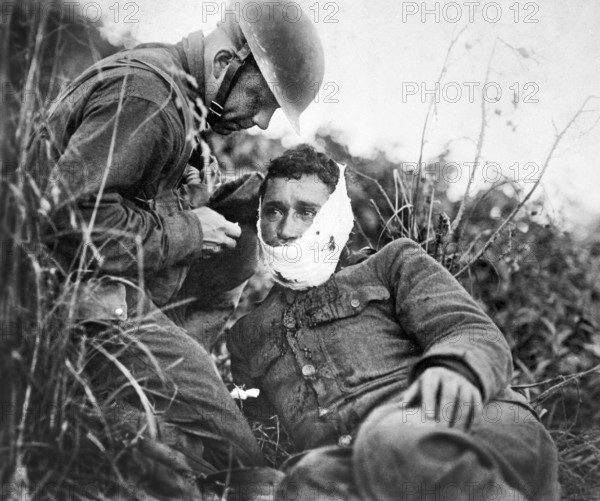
434, 309
127, 147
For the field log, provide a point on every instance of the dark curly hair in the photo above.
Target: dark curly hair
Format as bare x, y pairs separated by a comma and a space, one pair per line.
301, 160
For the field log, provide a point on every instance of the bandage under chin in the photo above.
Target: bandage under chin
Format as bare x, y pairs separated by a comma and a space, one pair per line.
312, 259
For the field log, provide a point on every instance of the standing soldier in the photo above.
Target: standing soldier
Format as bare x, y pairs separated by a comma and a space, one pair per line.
113, 157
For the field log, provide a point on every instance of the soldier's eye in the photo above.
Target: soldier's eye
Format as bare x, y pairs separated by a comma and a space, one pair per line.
308, 214
272, 214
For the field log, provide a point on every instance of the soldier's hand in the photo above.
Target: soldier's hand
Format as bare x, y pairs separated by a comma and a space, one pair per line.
192, 175
445, 397
217, 233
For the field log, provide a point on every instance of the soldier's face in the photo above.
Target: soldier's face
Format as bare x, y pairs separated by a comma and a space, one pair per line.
289, 207
249, 103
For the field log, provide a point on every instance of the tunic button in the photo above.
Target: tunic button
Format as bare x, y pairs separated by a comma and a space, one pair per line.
355, 303
308, 370
345, 440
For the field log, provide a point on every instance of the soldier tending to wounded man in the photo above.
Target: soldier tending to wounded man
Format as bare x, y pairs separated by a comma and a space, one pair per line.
131, 236
338, 355
386, 373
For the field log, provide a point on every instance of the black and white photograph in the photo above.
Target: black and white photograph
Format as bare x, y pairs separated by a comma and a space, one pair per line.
302, 250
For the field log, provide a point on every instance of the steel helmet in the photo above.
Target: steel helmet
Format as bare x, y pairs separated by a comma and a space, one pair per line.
286, 47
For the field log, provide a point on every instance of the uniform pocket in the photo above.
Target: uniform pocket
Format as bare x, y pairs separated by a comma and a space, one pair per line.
360, 337
349, 303
101, 300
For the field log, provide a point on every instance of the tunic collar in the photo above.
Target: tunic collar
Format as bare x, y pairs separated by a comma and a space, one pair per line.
193, 51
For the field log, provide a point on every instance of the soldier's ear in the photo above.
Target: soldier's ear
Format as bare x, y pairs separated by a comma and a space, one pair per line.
220, 62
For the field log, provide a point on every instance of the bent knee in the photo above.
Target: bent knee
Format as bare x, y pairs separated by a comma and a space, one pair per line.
409, 445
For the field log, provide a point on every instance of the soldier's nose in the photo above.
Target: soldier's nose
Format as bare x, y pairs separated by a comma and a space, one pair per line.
263, 118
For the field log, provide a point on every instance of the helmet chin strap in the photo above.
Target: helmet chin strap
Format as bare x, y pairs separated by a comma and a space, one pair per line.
217, 105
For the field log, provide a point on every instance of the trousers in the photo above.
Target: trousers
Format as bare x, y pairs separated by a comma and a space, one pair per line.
167, 351
155, 366
191, 404
402, 454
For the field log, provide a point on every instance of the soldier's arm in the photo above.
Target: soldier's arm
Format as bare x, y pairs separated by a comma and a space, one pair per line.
452, 330
101, 169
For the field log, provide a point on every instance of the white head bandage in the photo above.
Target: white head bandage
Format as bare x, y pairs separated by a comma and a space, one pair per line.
312, 259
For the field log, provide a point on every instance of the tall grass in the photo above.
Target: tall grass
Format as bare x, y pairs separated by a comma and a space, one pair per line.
62, 432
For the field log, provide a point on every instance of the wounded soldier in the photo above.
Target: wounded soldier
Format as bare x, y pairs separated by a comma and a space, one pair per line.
386, 373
